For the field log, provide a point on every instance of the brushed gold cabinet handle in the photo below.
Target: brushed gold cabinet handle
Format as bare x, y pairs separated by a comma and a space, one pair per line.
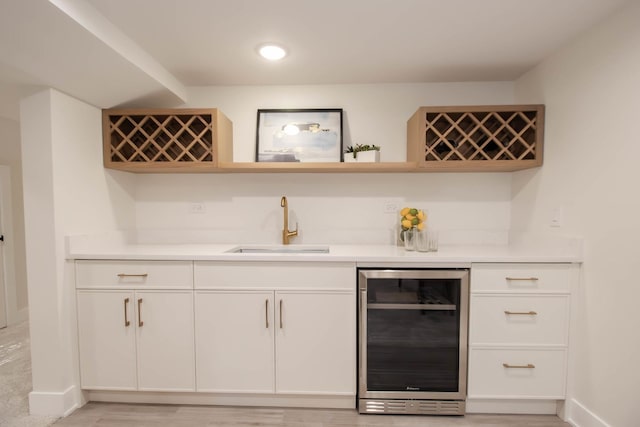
527, 366
520, 313
266, 313
123, 275
140, 322
280, 314
533, 279
126, 318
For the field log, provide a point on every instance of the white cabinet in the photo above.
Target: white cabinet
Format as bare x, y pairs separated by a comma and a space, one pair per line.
315, 342
519, 330
262, 327
530, 373
110, 274
134, 339
107, 340
234, 341
164, 335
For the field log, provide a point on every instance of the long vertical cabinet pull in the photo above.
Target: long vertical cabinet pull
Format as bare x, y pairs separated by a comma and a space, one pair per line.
280, 314
266, 313
140, 322
126, 317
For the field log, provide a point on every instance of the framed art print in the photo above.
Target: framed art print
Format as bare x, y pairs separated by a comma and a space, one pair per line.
299, 135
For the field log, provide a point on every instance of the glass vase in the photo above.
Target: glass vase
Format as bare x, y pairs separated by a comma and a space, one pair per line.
410, 239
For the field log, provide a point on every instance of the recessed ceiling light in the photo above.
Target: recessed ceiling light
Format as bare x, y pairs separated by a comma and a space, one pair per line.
272, 52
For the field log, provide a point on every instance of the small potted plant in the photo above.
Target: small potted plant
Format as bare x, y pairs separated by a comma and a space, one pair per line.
364, 153
350, 155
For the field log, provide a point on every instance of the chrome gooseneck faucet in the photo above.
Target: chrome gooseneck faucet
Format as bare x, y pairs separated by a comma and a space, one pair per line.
286, 234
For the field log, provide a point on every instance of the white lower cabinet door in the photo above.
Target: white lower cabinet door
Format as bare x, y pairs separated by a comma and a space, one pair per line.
315, 342
235, 342
165, 337
107, 340
517, 373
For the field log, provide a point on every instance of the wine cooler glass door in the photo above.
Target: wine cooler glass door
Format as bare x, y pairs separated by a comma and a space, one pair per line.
413, 333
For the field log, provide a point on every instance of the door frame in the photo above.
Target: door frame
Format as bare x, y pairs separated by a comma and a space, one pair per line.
8, 259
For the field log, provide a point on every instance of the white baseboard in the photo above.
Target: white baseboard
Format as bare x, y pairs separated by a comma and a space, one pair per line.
193, 398
511, 406
59, 404
580, 416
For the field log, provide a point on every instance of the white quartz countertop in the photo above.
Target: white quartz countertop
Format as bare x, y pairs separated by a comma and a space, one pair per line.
362, 254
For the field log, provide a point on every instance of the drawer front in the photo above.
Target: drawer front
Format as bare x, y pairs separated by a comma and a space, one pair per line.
522, 278
519, 319
544, 378
279, 275
134, 274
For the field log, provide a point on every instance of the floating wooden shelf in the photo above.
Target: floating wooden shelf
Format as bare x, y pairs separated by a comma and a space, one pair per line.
388, 167
439, 139
476, 138
166, 140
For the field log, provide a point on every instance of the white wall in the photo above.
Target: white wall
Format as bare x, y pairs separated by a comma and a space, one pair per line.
331, 208
373, 114
591, 89
14, 246
66, 191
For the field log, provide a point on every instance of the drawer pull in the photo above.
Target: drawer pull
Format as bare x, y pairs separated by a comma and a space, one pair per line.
266, 313
126, 318
280, 314
140, 322
123, 275
520, 313
527, 366
531, 279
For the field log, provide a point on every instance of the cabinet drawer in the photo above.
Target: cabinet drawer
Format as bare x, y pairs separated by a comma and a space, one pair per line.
134, 274
520, 278
274, 275
519, 319
543, 379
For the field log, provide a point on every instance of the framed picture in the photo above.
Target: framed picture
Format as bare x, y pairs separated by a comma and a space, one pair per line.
299, 135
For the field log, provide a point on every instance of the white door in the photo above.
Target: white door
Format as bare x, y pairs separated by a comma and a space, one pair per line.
107, 340
165, 340
234, 335
315, 342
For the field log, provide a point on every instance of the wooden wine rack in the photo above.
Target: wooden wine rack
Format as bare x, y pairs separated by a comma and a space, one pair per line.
166, 140
476, 138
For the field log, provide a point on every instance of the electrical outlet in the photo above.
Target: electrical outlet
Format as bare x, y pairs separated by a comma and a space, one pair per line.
556, 218
197, 208
390, 208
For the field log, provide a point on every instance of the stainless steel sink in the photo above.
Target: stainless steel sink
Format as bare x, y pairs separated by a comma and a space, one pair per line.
279, 250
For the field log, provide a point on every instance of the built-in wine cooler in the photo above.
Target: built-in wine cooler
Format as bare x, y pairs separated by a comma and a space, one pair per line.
413, 341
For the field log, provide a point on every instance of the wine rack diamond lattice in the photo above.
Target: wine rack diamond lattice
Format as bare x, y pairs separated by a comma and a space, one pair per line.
163, 139
477, 138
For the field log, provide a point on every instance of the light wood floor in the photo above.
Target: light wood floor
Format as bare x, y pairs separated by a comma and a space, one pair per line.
115, 414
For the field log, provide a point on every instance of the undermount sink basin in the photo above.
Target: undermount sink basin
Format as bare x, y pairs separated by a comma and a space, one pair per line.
279, 250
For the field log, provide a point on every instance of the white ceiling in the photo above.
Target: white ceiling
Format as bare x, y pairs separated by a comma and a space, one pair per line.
115, 52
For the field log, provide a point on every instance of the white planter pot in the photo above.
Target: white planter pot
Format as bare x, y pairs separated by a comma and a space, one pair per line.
372, 156
348, 158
